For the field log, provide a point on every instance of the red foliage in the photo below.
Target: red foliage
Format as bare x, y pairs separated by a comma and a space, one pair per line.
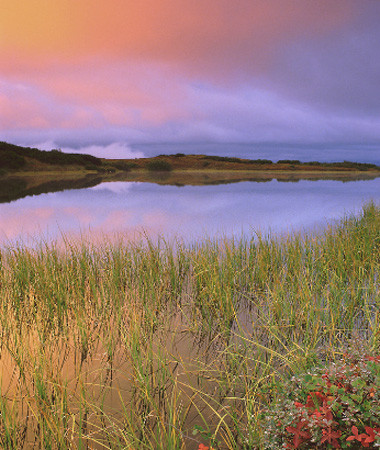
318, 413
315, 399
321, 414
205, 447
364, 439
299, 435
331, 436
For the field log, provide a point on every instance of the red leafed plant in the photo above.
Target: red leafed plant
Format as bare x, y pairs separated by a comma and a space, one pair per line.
204, 447
333, 407
372, 435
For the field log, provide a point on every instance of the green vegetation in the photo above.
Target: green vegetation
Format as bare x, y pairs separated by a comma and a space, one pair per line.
289, 161
159, 165
337, 404
353, 165
125, 166
157, 345
238, 160
261, 161
10, 160
13, 157
344, 164
222, 158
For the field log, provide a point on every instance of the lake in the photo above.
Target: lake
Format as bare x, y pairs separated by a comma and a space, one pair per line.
93, 207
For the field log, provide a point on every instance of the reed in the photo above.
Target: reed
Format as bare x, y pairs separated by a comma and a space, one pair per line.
158, 345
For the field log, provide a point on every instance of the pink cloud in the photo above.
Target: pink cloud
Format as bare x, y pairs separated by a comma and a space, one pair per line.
122, 95
197, 35
131, 68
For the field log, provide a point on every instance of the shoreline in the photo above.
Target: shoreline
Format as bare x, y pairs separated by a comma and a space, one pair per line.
192, 171
23, 184
25, 161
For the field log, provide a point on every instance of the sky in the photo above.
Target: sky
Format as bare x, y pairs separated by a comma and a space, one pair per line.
106, 76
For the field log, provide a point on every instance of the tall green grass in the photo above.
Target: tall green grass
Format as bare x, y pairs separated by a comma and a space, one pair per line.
158, 346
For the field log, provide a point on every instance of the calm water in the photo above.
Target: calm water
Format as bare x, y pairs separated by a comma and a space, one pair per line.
131, 208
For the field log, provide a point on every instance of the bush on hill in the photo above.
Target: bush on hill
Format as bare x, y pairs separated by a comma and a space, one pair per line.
261, 161
344, 164
289, 161
159, 166
124, 165
10, 160
223, 158
354, 165
238, 160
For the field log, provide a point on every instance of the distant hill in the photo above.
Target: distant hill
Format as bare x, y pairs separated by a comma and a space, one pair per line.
17, 159
180, 161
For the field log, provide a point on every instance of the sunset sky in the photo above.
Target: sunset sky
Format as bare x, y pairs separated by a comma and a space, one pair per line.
108, 74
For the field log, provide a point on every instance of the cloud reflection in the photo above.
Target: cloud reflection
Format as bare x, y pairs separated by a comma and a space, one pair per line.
189, 213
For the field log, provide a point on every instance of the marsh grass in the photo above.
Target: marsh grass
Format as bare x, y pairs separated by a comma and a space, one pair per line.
150, 346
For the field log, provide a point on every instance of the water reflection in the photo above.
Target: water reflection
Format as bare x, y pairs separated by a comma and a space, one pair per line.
187, 211
13, 188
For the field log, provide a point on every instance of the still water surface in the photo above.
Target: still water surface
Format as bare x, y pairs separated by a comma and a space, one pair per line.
187, 212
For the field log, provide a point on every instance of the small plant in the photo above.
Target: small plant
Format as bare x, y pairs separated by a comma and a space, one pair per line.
207, 435
337, 407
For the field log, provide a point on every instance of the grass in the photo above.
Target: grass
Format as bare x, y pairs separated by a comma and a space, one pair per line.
159, 166
158, 346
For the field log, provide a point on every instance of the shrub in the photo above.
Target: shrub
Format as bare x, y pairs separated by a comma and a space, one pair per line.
334, 407
10, 160
288, 161
91, 167
224, 159
354, 165
261, 161
238, 160
124, 165
159, 166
